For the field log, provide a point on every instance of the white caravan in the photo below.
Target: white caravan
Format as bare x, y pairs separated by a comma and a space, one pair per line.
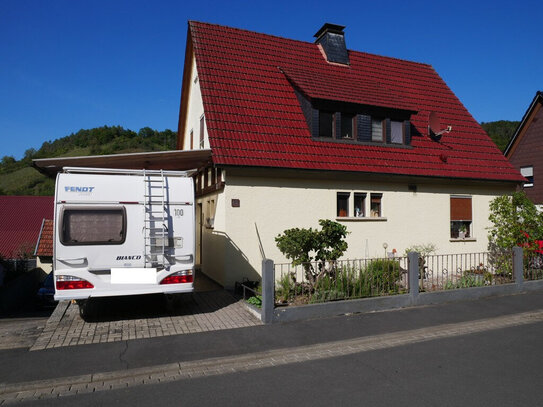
123, 232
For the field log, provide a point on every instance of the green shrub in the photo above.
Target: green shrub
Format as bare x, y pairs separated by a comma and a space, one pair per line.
256, 301
384, 275
465, 282
285, 288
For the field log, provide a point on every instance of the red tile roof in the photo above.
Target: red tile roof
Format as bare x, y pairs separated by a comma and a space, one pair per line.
254, 118
21, 218
45, 243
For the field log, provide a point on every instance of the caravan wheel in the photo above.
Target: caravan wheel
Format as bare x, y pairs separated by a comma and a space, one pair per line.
83, 308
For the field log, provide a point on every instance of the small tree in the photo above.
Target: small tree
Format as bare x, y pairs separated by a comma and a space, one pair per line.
306, 245
515, 222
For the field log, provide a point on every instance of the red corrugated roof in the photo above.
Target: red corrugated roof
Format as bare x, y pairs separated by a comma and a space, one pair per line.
254, 118
45, 244
21, 218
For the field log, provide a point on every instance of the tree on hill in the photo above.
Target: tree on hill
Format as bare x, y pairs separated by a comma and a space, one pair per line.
500, 131
15, 178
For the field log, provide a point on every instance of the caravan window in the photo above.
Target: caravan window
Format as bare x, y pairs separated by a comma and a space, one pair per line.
93, 226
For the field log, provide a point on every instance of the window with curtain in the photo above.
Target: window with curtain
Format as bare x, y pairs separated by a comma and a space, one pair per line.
377, 132
93, 226
396, 132
461, 217
348, 126
359, 204
375, 205
528, 173
343, 204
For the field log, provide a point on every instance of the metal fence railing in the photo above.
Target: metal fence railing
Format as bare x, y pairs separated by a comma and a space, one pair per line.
533, 266
454, 271
317, 282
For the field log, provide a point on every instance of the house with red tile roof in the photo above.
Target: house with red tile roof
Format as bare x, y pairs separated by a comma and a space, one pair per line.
301, 131
525, 149
21, 219
44, 246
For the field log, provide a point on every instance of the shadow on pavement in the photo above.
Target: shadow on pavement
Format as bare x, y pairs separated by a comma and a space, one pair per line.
207, 297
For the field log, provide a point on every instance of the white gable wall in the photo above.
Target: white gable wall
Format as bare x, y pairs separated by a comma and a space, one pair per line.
195, 110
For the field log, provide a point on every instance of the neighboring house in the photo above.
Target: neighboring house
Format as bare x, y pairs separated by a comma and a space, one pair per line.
525, 150
21, 219
44, 246
302, 131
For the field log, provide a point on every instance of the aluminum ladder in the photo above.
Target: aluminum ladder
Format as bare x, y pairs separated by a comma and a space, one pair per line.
155, 229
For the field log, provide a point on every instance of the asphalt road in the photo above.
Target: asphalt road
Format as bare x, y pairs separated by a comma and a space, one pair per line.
497, 367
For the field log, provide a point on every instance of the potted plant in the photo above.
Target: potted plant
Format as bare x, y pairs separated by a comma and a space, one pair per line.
462, 231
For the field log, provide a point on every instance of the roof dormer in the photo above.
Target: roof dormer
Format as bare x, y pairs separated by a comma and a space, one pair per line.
332, 40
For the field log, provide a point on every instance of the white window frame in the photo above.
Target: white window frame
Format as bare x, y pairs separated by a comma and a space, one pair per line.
528, 172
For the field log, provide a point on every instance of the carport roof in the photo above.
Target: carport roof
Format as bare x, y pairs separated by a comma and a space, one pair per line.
165, 160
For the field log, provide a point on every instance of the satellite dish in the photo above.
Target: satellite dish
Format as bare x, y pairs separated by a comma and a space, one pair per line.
434, 127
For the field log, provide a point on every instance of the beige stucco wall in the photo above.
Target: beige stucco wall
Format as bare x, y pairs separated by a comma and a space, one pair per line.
195, 110
45, 263
232, 251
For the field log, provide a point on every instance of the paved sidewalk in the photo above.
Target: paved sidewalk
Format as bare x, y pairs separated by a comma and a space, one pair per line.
20, 332
119, 319
98, 382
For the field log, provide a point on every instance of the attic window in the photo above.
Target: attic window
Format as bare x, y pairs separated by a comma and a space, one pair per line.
326, 124
377, 131
357, 127
396, 132
348, 126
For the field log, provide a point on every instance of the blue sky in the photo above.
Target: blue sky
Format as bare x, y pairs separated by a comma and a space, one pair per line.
68, 65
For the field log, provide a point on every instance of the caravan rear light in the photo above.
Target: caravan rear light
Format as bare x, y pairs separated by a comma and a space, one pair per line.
178, 278
72, 283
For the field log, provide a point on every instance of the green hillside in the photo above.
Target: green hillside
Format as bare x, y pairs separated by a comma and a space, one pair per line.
17, 177
500, 132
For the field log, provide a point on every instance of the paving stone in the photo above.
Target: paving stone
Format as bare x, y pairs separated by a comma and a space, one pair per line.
208, 311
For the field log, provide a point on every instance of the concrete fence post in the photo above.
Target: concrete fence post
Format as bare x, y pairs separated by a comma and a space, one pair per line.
268, 291
518, 266
413, 275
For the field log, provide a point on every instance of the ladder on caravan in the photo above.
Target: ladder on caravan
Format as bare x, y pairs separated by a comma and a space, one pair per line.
155, 218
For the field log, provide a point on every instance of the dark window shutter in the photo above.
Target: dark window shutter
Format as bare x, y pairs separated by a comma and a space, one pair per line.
315, 122
363, 123
387, 130
407, 132
337, 134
